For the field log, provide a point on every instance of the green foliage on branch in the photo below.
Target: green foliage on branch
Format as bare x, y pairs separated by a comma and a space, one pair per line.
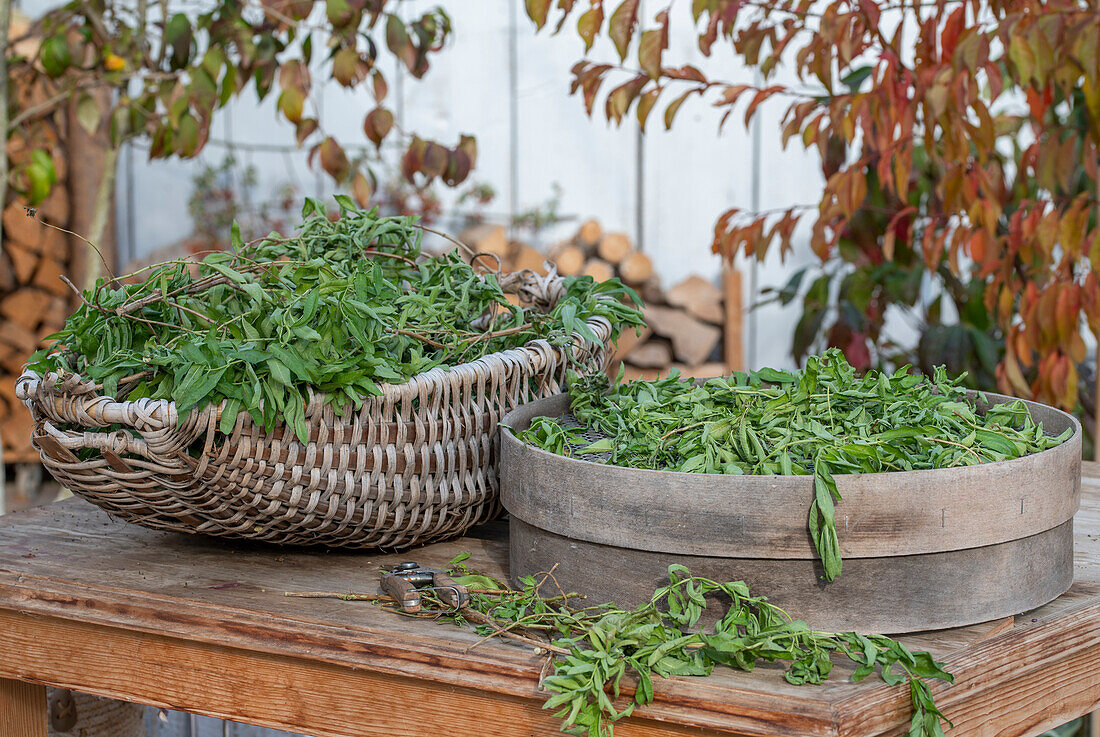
169, 69
596, 648
337, 309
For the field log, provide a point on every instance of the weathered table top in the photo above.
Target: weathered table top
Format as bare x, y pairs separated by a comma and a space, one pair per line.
198, 625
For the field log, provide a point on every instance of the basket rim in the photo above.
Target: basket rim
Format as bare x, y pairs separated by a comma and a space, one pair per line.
413, 386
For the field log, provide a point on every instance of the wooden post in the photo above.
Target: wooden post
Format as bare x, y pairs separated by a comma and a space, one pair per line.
91, 179
22, 709
734, 328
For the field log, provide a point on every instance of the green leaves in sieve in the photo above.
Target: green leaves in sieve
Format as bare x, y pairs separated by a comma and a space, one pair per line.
823, 421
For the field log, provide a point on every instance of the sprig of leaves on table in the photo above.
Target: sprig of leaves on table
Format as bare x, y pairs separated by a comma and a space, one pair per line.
663, 637
822, 421
337, 308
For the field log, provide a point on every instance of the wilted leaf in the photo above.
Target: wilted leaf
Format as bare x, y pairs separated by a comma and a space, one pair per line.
348, 68
361, 189
294, 74
435, 160
458, 167
333, 159
413, 160
377, 124
397, 38
468, 145
381, 89
305, 128
186, 138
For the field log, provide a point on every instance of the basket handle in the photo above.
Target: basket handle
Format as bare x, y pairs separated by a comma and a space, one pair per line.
70, 399
541, 291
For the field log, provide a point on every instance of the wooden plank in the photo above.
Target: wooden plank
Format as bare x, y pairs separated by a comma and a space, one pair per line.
161, 595
22, 709
85, 567
267, 690
1004, 685
733, 341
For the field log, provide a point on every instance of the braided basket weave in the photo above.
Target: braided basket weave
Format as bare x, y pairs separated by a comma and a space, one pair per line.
414, 465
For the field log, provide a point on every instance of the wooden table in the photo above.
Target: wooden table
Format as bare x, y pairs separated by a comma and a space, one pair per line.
186, 623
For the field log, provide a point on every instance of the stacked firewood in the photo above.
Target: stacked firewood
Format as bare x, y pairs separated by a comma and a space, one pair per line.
34, 303
686, 331
689, 326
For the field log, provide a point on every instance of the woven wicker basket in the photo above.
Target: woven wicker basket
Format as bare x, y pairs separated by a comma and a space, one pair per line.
414, 465
75, 714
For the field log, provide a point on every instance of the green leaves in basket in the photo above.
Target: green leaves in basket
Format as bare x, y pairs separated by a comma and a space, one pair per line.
593, 648
337, 309
820, 422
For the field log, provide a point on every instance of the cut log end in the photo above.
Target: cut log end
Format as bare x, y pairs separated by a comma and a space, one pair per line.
569, 260
598, 269
635, 268
588, 235
614, 247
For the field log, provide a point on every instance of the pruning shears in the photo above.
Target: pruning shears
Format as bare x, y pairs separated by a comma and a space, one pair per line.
405, 581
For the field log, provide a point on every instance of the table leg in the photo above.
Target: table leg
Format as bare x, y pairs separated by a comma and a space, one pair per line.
22, 709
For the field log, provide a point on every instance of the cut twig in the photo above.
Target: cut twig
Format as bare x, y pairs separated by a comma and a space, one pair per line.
349, 596
477, 617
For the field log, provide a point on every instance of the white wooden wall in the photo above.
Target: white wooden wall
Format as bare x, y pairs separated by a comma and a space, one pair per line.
508, 86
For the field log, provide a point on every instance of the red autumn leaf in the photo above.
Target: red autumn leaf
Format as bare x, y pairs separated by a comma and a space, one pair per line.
622, 97
435, 160
305, 128
381, 89
458, 167
413, 160
294, 74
